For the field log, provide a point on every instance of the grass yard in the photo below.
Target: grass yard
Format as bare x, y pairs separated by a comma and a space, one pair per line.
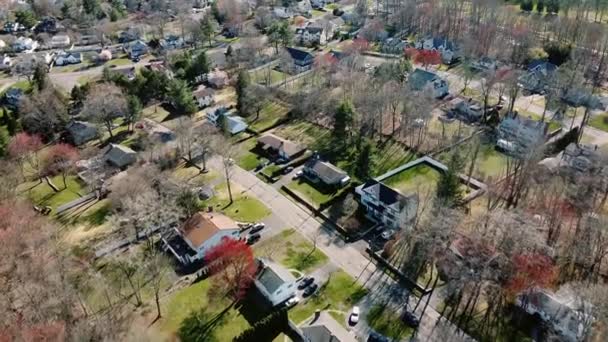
270, 115
292, 250
192, 175
341, 292
600, 122
553, 125
244, 208
179, 305
271, 170
43, 195
118, 62
317, 194
489, 163
421, 178
155, 112
248, 159
267, 76
386, 321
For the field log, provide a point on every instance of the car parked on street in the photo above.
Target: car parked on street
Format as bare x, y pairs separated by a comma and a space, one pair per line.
375, 337
298, 174
310, 290
253, 238
305, 282
354, 315
287, 170
257, 227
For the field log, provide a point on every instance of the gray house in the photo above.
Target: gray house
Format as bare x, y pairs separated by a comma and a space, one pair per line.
322, 171
422, 80
519, 135
386, 205
82, 131
274, 282
120, 156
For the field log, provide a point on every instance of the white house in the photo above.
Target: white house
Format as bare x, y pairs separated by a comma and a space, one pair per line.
67, 58
449, 51
563, 314
322, 171
24, 44
198, 234
5, 62
519, 135
386, 205
310, 36
60, 41
231, 123
422, 80
274, 282
203, 96
279, 147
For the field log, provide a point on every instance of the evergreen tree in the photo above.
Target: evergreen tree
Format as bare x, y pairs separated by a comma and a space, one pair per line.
198, 67
207, 29
448, 187
526, 5
365, 162
540, 6
26, 18
181, 97
343, 118
242, 84
12, 125
134, 111
40, 77
3, 142
553, 6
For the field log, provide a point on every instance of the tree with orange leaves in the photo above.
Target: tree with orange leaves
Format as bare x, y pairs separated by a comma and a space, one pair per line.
233, 267
531, 270
427, 57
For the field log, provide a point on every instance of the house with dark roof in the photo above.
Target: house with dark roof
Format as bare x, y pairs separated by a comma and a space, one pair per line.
201, 232
538, 78
518, 135
12, 97
319, 171
81, 132
120, 156
302, 60
422, 80
129, 72
171, 42
67, 58
136, 49
274, 282
278, 147
47, 25
326, 329
386, 205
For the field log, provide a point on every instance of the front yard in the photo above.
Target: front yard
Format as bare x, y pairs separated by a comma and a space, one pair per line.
244, 207
316, 194
292, 250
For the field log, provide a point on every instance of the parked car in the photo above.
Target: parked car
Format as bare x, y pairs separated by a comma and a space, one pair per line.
244, 225
375, 337
298, 174
310, 290
280, 161
292, 301
305, 282
287, 170
387, 234
354, 316
410, 319
257, 227
253, 238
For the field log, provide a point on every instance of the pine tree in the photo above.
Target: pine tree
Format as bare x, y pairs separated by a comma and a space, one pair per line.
365, 163
242, 84
448, 187
343, 118
12, 125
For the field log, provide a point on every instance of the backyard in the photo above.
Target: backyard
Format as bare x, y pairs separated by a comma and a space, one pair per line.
272, 113
43, 195
600, 122
489, 162
292, 250
420, 178
317, 194
385, 321
267, 76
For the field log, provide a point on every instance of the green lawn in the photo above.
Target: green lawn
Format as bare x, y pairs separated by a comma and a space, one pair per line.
119, 62
244, 207
42, 194
155, 112
270, 115
182, 303
553, 125
599, 122
292, 250
312, 192
192, 175
421, 178
489, 163
262, 76
385, 321
341, 292
248, 159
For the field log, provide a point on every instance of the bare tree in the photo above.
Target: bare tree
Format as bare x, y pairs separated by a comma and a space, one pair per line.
104, 104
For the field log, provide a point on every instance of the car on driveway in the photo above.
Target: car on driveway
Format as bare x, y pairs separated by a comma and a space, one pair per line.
354, 315
305, 282
253, 238
257, 227
298, 174
310, 290
292, 301
410, 319
375, 337
287, 170
387, 234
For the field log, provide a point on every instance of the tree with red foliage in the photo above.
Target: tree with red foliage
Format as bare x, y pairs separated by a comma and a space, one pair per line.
59, 159
24, 148
410, 52
427, 57
233, 267
531, 270
359, 45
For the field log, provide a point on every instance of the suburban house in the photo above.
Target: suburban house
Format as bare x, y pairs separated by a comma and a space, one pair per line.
302, 60
81, 132
450, 52
281, 13
321, 171
120, 156
465, 110
60, 41
274, 282
386, 205
128, 72
47, 25
394, 46
218, 79
232, 124
127, 36
136, 49
562, 314
24, 44
12, 97
171, 42
519, 135
326, 329
201, 232
579, 158
12, 27
538, 77
310, 36
279, 147
5, 62
420, 80
67, 58
485, 64
203, 96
